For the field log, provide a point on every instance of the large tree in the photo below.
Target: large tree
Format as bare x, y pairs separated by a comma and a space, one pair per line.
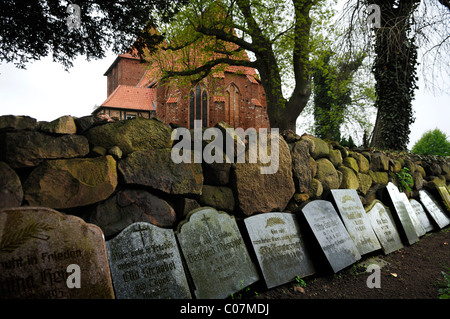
276, 34
408, 30
33, 29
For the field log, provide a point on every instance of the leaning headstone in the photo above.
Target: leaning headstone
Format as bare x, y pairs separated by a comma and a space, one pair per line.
402, 214
279, 247
339, 248
215, 254
435, 210
420, 212
445, 195
384, 227
420, 230
355, 220
146, 264
45, 254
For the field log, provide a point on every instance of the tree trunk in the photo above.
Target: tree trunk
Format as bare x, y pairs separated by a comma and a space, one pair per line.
395, 74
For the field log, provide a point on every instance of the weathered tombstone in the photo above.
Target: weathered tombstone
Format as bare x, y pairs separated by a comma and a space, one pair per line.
384, 227
339, 248
279, 247
420, 230
443, 191
420, 212
402, 214
355, 220
434, 209
45, 254
215, 253
146, 264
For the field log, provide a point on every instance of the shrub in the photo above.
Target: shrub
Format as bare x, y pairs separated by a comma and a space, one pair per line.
432, 143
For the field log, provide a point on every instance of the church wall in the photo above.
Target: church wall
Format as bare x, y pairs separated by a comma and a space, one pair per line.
249, 114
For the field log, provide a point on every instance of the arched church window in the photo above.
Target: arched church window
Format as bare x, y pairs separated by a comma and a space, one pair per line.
232, 98
198, 106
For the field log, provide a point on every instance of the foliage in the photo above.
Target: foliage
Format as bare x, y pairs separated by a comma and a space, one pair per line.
444, 291
405, 179
336, 92
300, 282
432, 143
34, 29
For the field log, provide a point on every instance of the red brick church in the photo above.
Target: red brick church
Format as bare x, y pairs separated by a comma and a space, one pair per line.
234, 95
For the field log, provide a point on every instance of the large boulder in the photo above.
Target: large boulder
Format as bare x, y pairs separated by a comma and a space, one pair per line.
326, 174
155, 169
71, 183
131, 135
62, 125
14, 122
30, 148
301, 166
349, 178
219, 197
257, 192
11, 193
317, 147
128, 207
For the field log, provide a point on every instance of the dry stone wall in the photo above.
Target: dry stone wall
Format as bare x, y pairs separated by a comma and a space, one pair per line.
116, 173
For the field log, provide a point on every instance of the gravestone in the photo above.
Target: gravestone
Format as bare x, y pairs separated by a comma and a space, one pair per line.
420, 230
215, 253
434, 209
443, 191
45, 254
146, 264
279, 247
355, 220
339, 248
423, 217
384, 227
402, 214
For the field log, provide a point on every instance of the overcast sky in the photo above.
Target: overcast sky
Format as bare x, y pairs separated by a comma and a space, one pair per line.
45, 91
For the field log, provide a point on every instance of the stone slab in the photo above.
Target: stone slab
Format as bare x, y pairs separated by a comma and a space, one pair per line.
445, 195
402, 214
146, 264
420, 230
434, 209
215, 254
330, 232
355, 220
384, 227
422, 215
279, 247
45, 254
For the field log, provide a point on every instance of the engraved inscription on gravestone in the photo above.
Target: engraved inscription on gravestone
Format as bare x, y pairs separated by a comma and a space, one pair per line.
402, 214
421, 215
279, 247
339, 248
146, 264
215, 253
435, 210
384, 227
37, 246
355, 220
420, 230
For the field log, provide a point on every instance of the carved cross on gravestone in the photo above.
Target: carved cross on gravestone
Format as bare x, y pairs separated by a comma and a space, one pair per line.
140, 230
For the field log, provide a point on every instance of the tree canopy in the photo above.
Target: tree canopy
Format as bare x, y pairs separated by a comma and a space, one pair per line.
433, 142
34, 29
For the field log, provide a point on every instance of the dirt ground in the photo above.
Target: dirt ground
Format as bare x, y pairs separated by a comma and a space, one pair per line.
413, 272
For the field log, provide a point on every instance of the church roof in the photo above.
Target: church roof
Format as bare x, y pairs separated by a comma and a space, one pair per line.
131, 97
